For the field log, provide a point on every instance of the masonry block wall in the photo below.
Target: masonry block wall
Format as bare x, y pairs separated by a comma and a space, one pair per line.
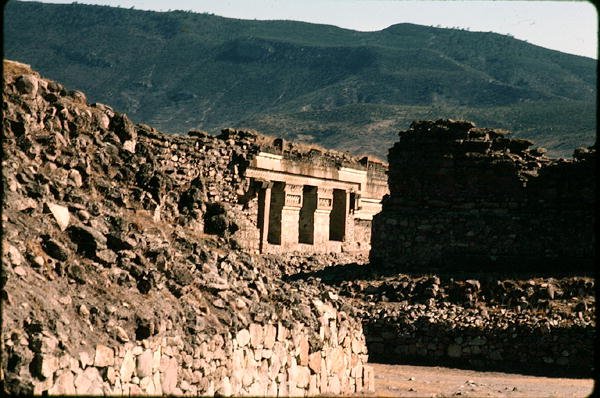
463, 197
262, 360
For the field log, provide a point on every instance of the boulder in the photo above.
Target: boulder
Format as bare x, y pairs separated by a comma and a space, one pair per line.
88, 239
27, 84
54, 248
60, 214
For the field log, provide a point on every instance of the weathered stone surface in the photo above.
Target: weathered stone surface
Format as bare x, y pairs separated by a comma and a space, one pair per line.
88, 381
454, 351
313, 388
169, 377
121, 334
75, 178
303, 349
270, 334
369, 379
243, 337
144, 364
14, 255
147, 385
27, 84
47, 365
334, 386
302, 376
225, 389
104, 356
256, 335
85, 359
61, 214
335, 361
314, 362
64, 384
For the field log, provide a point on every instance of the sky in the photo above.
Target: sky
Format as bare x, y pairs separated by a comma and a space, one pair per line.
567, 26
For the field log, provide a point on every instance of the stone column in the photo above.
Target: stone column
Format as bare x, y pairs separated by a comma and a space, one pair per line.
290, 215
264, 208
324, 206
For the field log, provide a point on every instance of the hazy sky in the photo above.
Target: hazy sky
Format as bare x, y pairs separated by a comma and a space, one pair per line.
568, 26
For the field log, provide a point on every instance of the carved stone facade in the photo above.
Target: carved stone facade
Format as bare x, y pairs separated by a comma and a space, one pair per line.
312, 206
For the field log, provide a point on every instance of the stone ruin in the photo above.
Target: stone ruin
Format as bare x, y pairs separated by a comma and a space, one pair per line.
314, 202
283, 198
463, 197
122, 272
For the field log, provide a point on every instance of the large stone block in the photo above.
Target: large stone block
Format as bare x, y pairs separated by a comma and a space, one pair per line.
144, 364
270, 334
303, 349
168, 378
127, 367
302, 376
64, 384
314, 362
368, 378
256, 335
242, 337
105, 356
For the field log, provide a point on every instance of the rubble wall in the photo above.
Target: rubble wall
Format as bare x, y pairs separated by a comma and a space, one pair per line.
219, 163
540, 325
465, 197
121, 271
261, 360
567, 350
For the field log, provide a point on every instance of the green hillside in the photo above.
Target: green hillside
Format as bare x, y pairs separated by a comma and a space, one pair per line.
340, 88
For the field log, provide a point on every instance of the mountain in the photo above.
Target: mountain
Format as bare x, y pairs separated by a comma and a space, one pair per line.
323, 84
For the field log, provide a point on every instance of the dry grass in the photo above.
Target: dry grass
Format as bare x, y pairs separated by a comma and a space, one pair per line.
13, 68
144, 221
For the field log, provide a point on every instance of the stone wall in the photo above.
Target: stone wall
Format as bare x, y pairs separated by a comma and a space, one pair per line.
516, 348
467, 197
219, 163
263, 359
122, 271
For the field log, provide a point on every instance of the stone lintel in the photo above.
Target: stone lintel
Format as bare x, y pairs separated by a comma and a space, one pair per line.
301, 180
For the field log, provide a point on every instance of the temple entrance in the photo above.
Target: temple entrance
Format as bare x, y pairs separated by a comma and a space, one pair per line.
276, 205
306, 227
337, 218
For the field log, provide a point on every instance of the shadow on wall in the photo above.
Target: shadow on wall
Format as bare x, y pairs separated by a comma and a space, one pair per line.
400, 328
338, 273
562, 352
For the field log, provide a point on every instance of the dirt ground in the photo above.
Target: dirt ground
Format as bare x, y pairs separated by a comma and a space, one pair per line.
424, 381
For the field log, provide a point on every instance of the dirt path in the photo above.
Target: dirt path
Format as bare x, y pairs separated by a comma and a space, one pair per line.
423, 381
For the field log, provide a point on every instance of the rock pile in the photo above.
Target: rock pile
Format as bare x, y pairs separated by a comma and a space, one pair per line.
503, 324
484, 320
466, 197
111, 282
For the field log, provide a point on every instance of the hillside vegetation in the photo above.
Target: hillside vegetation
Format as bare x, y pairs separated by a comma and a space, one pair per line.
340, 88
